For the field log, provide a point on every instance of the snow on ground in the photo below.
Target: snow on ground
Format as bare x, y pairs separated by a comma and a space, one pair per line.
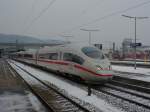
130, 69
16, 102
70, 89
138, 70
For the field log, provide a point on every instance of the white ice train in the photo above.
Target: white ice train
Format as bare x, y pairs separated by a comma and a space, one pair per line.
83, 61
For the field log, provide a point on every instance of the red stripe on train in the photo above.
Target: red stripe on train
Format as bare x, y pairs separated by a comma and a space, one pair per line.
55, 62
76, 66
87, 70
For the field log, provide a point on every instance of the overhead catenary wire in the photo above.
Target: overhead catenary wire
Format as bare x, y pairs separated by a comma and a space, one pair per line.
90, 7
40, 14
108, 16
119, 12
84, 11
31, 10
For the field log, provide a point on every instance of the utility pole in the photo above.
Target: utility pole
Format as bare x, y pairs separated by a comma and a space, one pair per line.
90, 30
16, 44
135, 18
114, 46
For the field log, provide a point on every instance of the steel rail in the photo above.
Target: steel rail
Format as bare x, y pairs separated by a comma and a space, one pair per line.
126, 91
121, 97
32, 90
131, 86
48, 86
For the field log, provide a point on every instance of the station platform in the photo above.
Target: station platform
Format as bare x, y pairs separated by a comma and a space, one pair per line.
15, 96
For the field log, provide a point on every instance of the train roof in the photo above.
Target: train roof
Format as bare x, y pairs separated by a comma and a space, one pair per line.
20, 52
70, 45
29, 51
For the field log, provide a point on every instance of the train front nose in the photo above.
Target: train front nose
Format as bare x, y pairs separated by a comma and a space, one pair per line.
104, 73
101, 76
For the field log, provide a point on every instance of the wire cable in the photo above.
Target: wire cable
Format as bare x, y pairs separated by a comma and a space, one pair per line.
109, 15
40, 14
119, 12
84, 12
31, 10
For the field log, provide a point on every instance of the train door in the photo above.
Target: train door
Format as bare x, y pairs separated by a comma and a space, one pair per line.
61, 66
69, 66
0, 54
60, 57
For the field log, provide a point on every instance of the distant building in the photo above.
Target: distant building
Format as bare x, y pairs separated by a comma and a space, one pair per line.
128, 51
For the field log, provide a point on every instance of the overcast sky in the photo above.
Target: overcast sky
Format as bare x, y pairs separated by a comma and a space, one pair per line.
67, 17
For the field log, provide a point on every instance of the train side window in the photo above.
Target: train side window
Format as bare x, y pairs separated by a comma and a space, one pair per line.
73, 58
53, 56
20, 56
67, 57
78, 59
60, 55
41, 57
44, 56
28, 55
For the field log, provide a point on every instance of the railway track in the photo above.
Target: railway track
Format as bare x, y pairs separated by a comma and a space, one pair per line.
14, 94
121, 89
134, 94
50, 96
127, 96
133, 84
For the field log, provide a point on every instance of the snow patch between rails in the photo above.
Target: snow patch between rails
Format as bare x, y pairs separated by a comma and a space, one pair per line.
77, 94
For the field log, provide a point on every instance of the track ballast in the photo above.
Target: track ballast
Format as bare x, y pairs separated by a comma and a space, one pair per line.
50, 96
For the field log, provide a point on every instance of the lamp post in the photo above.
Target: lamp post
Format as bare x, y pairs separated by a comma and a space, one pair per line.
90, 30
135, 18
66, 37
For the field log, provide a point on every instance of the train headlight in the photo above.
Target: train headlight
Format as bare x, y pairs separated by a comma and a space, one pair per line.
99, 67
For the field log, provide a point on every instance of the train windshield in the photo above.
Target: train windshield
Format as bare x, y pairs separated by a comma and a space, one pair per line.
93, 52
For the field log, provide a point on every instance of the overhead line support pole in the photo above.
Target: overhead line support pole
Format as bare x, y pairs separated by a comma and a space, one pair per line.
89, 30
135, 19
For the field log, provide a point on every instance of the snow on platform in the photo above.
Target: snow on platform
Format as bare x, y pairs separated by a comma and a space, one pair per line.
143, 73
70, 89
132, 62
